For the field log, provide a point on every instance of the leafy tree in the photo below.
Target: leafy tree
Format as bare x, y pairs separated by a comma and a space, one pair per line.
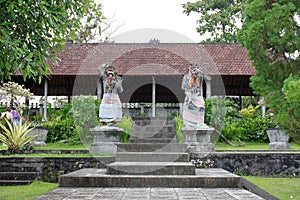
91, 27
270, 32
32, 31
220, 18
96, 28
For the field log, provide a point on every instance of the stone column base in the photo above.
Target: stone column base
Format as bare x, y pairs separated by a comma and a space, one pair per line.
198, 139
105, 140
279, 145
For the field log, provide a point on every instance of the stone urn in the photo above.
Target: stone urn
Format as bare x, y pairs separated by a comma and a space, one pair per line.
41, 134
279, 139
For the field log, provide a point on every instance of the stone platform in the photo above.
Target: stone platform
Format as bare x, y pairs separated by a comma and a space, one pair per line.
150, 194
204, 178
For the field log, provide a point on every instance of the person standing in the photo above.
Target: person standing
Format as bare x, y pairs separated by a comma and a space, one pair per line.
15, 116
6, 115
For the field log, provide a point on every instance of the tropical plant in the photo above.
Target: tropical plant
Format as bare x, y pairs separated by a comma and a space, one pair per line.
179, 125
126, 125
16, 136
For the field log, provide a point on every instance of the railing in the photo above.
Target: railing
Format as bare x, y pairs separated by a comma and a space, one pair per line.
132, 109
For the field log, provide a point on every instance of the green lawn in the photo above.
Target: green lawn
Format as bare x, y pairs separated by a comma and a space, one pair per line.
250, 146
64, 146
282, 188
26, 192
58, 146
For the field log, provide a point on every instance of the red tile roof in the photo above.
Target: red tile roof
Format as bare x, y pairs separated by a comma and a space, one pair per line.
153, 59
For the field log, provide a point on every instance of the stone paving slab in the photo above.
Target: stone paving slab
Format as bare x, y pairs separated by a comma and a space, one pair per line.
149, 194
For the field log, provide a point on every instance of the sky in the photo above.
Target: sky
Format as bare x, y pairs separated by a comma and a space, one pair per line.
142, 20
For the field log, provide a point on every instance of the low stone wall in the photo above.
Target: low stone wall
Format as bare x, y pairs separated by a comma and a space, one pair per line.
49, 168
252, 163
256, 164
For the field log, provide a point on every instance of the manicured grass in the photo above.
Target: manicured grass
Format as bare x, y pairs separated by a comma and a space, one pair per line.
58, 146
282, 188
26, 192
218, 146
64, 146
250, 146
44, 155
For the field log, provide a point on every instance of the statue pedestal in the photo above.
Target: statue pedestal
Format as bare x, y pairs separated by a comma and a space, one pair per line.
106, 139
198, 139
278, 139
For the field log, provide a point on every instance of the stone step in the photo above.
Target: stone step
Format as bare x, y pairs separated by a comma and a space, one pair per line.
154, 129
151, 168
152, 135
152, 140
152, 147
204, 178
15, 182
153, 121
18, 175
15, 167
151, 157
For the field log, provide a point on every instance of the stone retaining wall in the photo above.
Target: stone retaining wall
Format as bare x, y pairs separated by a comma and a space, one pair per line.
50, 168
257, 164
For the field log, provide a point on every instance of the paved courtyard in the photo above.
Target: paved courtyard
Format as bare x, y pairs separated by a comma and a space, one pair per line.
65, 193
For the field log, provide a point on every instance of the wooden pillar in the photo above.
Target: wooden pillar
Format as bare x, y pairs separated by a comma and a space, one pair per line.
208, 89
153, 97
46, 97
241, 102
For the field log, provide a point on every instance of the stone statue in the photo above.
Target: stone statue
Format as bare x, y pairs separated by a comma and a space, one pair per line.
110, 108
194, 105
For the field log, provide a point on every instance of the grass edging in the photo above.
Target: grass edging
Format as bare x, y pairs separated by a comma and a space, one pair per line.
247, 185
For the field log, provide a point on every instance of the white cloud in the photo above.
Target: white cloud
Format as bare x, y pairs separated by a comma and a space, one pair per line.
154, 14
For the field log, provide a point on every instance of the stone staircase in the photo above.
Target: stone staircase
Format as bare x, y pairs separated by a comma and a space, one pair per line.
152, 158
148, 153
18, 173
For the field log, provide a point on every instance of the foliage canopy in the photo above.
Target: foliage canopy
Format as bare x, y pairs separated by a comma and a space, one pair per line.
218, 17
271, 32
32, 31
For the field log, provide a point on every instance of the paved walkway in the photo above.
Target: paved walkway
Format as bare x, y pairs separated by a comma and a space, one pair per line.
65, 193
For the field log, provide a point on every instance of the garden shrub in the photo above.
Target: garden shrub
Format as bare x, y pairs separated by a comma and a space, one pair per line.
246, 125
289, 116
254, 129
62, 130
85, 113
